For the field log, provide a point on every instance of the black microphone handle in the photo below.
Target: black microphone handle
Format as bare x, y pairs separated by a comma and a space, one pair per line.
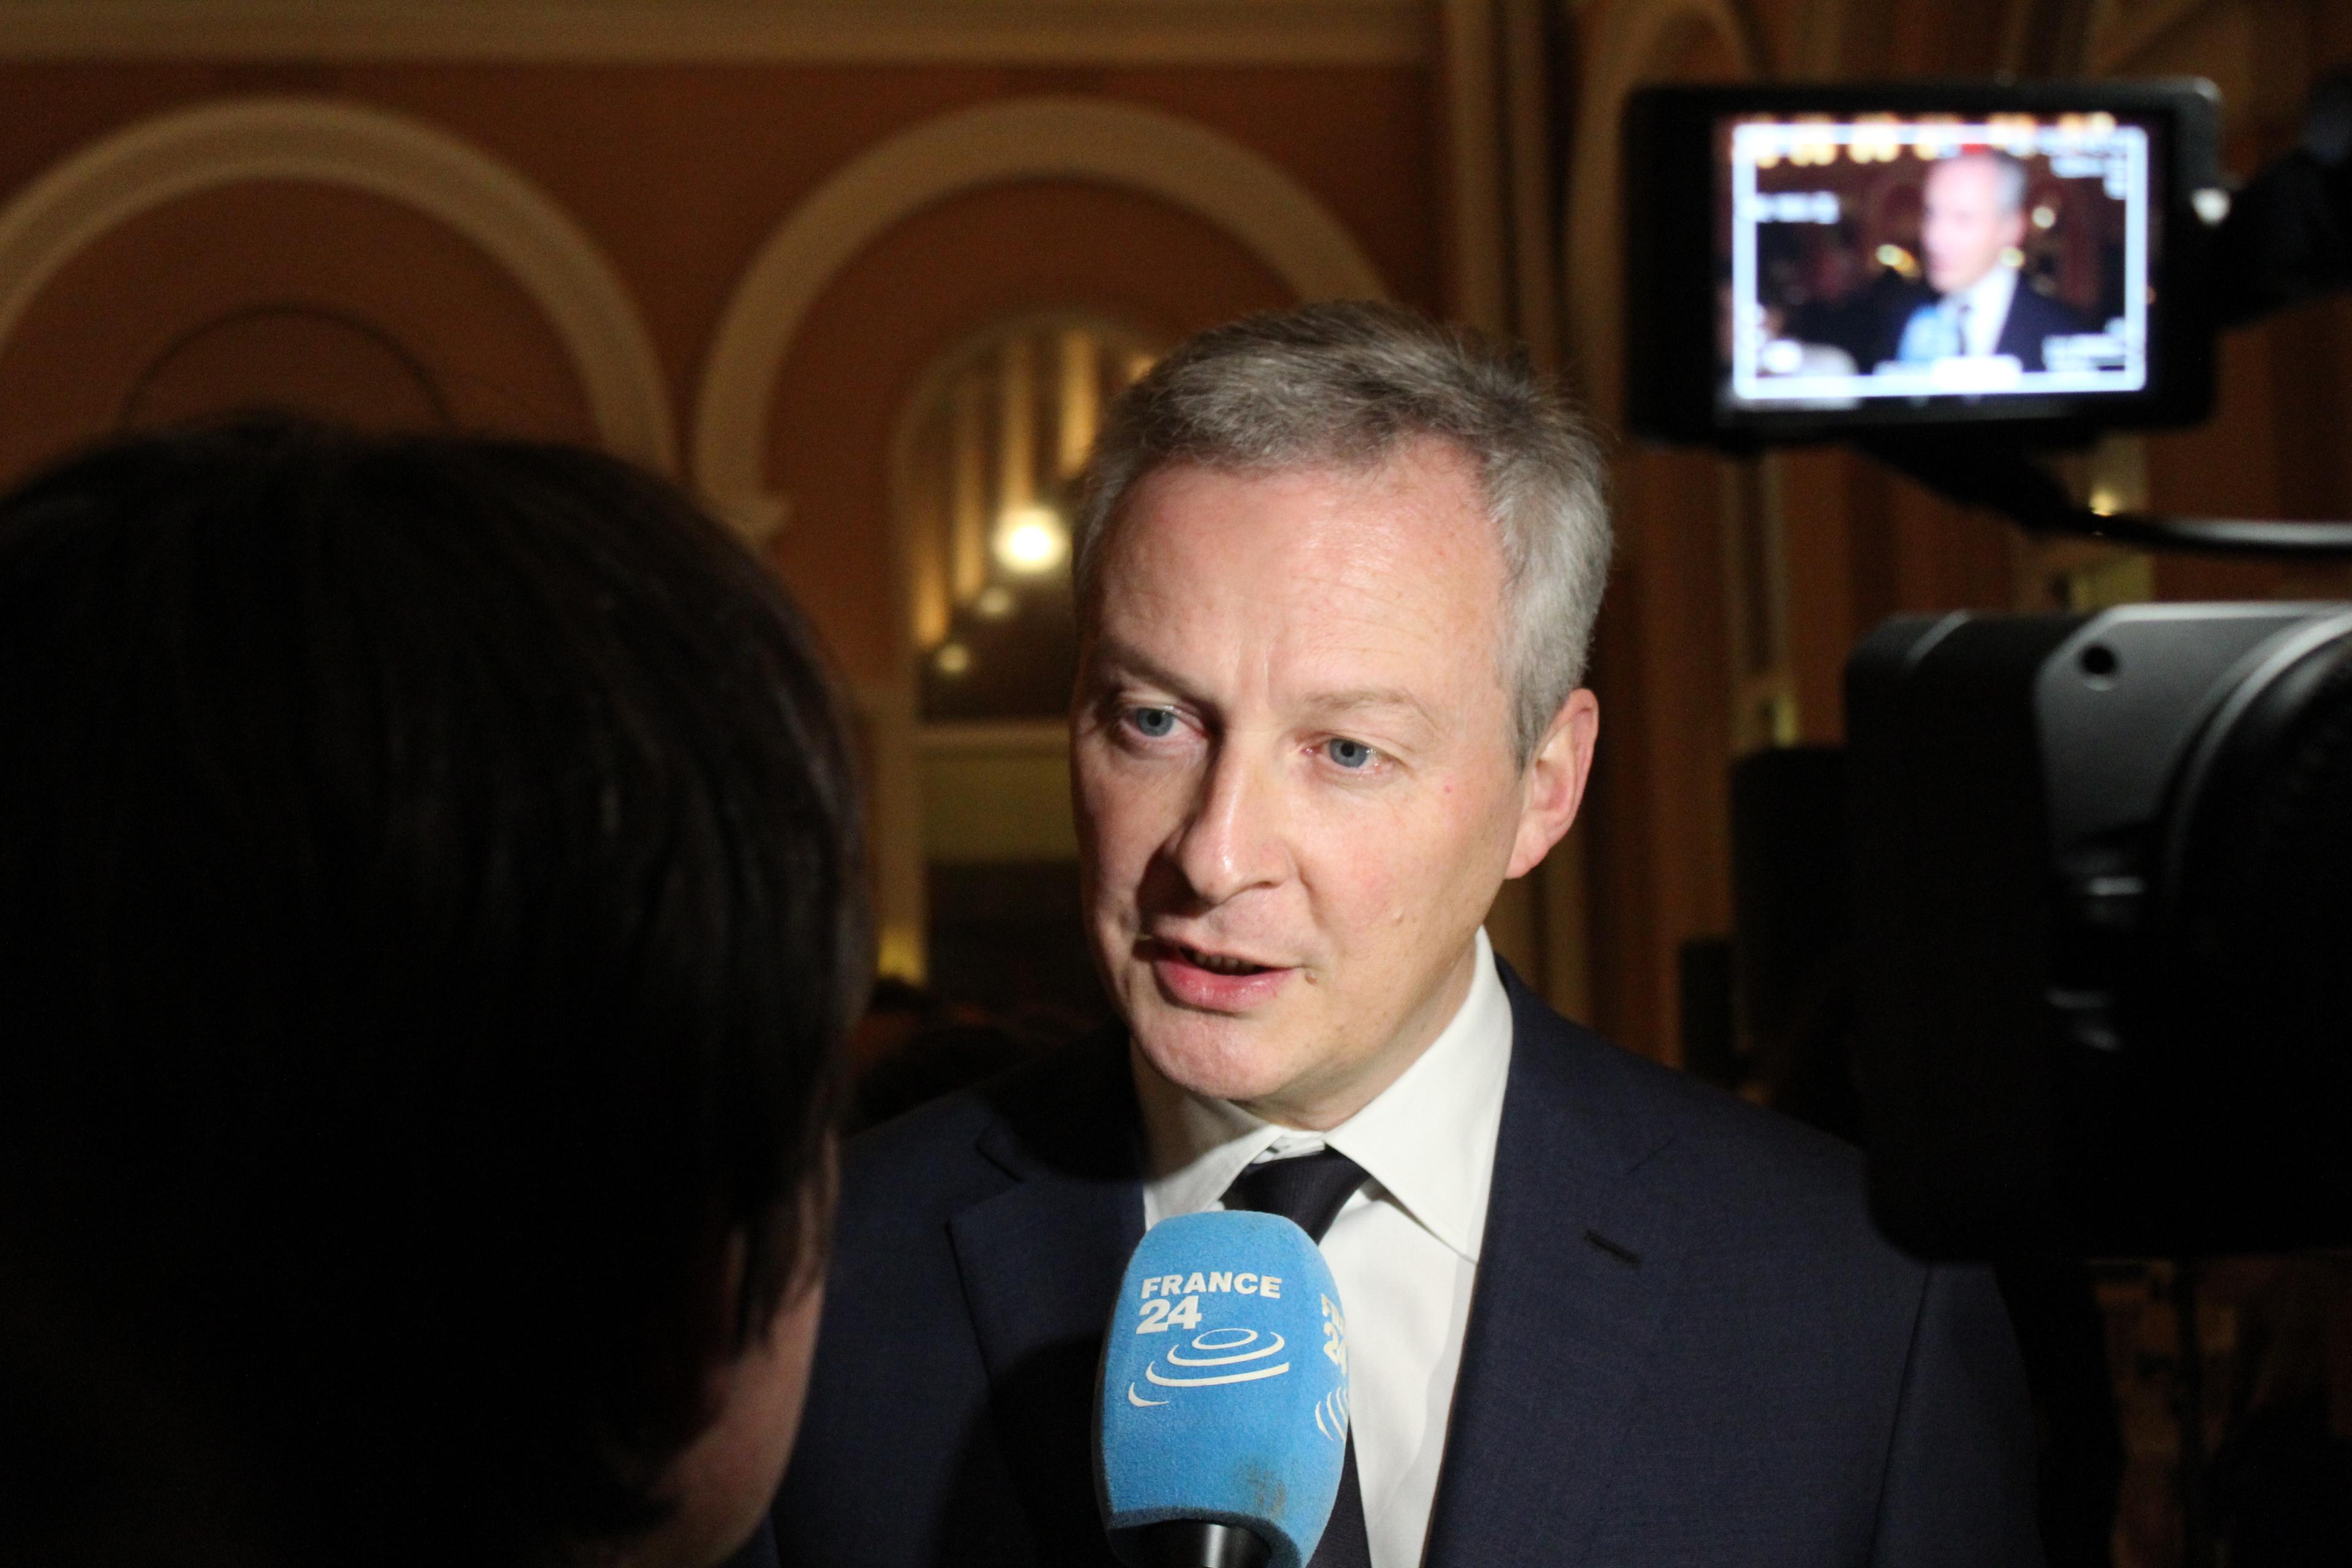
1191, 1543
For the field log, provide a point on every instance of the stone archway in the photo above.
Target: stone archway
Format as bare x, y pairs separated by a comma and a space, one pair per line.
156, 160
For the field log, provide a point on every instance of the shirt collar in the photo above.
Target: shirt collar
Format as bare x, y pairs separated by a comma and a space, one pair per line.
1989, 295
1428, 1139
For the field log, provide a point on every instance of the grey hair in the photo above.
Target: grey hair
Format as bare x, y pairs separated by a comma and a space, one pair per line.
2008, 175
1350, 385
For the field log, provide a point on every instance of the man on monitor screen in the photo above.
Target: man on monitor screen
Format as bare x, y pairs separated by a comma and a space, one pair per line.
1972, 223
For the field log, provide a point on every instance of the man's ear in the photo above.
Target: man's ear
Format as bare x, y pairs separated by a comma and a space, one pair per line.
1553, 785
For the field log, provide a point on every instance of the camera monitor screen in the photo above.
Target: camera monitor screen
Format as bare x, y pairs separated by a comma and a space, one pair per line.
1887, 256
1802, 260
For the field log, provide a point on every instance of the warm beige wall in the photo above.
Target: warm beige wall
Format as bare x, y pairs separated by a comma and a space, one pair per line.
678, 172
124, 307
912, 297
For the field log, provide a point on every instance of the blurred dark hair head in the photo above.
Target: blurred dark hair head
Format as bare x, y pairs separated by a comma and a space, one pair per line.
428, 915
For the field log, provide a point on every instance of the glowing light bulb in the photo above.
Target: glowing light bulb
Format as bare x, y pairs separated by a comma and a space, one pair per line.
953, 658
1030, 540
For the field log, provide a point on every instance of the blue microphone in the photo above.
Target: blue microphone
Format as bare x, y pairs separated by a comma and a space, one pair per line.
1224, 1396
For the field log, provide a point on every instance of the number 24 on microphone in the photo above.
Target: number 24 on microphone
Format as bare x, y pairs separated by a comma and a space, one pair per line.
1335, 1334
1161, 1313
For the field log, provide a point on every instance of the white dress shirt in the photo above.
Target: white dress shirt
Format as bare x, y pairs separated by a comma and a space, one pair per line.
1404, 1250
1983, 309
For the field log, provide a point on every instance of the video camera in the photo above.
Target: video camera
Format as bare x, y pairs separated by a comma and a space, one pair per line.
2101, 914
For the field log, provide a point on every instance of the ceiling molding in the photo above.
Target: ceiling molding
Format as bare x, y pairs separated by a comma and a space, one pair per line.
730, 32
142, 166
1179, 161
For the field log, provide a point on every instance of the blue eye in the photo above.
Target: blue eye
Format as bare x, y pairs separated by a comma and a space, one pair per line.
1350, 754
1152, 723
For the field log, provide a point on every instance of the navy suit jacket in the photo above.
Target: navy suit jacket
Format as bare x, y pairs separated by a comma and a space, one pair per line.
1686, 1344
760, 1551
2033, 316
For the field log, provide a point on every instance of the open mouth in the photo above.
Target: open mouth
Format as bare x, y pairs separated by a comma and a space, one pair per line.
1215, 962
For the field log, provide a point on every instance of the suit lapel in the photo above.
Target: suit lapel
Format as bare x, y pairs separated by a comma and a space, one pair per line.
1576, 1267
1040, 1265
2016, 337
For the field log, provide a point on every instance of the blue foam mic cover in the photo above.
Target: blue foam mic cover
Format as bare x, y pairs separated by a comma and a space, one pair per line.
1225, 1384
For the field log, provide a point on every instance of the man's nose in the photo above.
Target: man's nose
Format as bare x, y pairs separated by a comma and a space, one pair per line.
1232, 841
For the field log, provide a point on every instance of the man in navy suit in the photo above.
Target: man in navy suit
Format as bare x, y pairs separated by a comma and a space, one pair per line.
1971, 225
1337, 571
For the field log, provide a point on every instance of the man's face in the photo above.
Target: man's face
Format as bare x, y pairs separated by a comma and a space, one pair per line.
1963, 228
1294, 783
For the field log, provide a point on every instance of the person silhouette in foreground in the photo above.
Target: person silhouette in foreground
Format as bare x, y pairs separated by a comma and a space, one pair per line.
428, 920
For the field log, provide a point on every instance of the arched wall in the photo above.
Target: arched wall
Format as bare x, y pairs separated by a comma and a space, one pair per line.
157, 161
970, 257
1159, 154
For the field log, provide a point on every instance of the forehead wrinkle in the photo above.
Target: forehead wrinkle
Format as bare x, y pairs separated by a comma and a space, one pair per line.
1111, 652
1364, 606
1356, 556
1365, 626
1379, 702
1374, 607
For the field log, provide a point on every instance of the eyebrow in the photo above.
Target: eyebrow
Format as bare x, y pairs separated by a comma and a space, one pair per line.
1113, 655
1381, 699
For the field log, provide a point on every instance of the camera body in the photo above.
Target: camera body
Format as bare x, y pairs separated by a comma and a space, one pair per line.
2101, 948
2102, 942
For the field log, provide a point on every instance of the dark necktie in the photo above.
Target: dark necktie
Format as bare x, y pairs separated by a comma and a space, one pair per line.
1309, 1190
